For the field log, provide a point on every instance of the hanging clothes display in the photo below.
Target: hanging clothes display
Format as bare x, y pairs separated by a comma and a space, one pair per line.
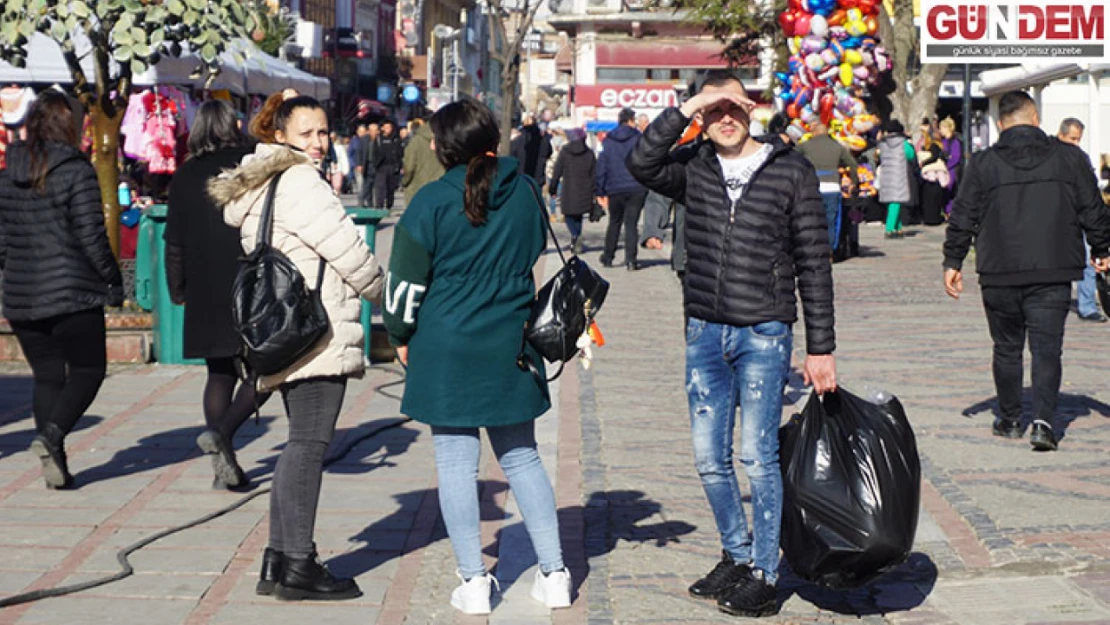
14, 103
161, 129
150, 131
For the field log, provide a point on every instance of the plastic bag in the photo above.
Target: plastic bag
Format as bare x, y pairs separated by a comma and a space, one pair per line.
852, 489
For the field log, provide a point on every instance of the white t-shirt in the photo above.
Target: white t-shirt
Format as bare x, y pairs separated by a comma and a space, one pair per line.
738, 171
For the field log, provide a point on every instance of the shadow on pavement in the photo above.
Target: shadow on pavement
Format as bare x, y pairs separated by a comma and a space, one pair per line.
609, 517
372, 453
381, 537
160, 450
1069, 407
15, 442
15, 397
900, 590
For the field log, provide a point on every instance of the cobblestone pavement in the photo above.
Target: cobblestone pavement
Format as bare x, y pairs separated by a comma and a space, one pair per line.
1005, 535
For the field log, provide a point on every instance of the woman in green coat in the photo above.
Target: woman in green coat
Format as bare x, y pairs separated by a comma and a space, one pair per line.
458, 293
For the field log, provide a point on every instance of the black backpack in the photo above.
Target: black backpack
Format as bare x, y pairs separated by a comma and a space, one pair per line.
275, 314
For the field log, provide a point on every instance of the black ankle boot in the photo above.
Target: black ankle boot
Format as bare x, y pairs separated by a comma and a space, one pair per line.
49, 446
307, 579
226, 468
272, 563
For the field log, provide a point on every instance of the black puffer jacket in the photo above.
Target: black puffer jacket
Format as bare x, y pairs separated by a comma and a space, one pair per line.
1027, 201
744, 261
575, 167
53, 246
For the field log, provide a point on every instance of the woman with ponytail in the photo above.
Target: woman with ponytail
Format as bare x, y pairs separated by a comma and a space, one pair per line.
458, 293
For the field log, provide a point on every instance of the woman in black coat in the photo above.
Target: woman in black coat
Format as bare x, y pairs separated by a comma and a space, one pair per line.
59, 273
575, 166
202, 259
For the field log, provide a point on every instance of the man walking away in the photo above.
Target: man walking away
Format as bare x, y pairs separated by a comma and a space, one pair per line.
1026, 201
755, 230
621, 193
532, 149
828, 156
1086, 304
371, 161
389, 172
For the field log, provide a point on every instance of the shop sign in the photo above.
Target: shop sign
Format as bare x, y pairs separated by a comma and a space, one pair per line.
626, 96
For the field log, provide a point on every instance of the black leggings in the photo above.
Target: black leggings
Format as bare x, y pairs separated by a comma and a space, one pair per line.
221, 412
68, 359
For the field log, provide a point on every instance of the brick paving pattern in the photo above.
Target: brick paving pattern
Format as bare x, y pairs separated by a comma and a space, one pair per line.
1005, 535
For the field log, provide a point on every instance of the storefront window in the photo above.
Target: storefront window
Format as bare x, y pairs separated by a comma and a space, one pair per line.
660, 74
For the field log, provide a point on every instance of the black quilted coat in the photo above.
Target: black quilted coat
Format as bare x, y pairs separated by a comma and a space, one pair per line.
53, 246
745, 261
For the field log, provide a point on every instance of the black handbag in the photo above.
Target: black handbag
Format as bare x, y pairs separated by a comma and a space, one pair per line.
277, 316
562, 310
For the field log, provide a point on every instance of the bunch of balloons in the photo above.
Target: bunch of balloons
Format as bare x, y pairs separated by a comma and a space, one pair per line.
834, 56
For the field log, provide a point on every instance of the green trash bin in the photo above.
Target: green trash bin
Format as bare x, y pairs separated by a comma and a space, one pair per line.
152, 292
368, 218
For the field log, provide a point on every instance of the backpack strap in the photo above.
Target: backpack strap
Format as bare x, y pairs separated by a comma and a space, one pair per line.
266, 226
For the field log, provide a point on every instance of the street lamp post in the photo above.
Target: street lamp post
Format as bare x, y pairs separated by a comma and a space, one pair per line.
444, 32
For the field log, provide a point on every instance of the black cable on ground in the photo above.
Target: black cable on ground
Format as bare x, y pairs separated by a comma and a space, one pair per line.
121, 556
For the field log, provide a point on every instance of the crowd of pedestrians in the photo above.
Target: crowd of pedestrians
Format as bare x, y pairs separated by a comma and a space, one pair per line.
754, 222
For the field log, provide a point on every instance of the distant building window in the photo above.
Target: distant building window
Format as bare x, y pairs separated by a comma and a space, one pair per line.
621, 74
660, 74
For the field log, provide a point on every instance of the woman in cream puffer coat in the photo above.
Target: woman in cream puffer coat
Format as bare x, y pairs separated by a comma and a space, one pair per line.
309, 224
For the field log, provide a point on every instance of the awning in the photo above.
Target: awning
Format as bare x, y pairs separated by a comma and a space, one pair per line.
997, 81
670, 54
596, 125
258, 73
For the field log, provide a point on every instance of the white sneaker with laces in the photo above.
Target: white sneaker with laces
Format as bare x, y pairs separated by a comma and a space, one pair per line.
553, 589
472, 596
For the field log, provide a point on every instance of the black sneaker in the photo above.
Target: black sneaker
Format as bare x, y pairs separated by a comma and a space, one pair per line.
1006, 428
725, 574
1095, 317
1041, 437
751, 597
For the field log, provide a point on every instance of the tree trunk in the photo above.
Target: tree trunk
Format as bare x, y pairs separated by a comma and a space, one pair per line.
508, 105
105, 154
918, 99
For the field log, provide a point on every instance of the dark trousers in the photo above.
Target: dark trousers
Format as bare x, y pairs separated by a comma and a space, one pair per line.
313, 408
225, 407
1038, 311
385, 184
68, 360
366, 191
624, 209
574, 225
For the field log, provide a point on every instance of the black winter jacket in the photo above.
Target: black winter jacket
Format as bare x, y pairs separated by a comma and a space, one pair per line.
575, 169
745, 260
612, 173
53, 246
1027, 201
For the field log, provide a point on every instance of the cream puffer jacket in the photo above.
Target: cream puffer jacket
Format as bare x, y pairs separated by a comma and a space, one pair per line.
309, 224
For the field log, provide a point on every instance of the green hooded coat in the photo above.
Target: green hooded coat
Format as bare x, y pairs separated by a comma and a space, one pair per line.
459, 295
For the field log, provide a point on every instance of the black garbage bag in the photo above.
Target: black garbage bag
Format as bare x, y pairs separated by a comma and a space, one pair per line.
852, 489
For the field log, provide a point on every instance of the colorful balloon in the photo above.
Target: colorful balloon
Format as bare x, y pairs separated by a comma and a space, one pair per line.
818, 26
837, 18
813, 44
801, 24
872, 24
853, 57
786, 21
861, 72
846, 74
856, 28
830, 57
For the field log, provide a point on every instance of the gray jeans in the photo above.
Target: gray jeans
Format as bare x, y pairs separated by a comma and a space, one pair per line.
313, 408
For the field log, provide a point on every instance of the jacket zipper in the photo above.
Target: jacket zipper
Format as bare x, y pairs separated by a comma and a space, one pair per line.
732, 220
774, 284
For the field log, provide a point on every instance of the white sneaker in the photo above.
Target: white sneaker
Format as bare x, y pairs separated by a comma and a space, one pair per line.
472, 596
553, 589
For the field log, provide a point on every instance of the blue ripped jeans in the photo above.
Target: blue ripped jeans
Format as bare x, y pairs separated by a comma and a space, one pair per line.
746, 367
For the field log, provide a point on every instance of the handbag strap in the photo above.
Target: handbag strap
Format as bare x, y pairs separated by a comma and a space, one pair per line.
546, 220
266, 226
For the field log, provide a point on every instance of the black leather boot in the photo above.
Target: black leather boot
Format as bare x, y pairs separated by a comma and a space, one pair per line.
49, 446
272, 564
307, 579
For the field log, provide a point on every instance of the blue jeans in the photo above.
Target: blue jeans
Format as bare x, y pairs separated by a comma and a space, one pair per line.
726, 367
1085, 303
832, 213
457, 454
